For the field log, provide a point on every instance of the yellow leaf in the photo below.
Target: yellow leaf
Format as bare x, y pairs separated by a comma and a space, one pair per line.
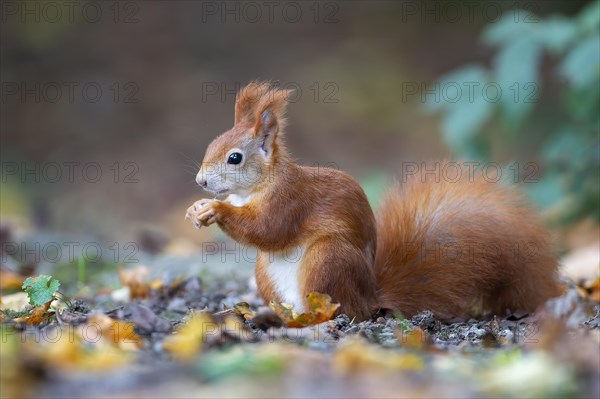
320, 310
15, 381
10, 280
135, 280
412, 338
188, 339
156, 284
69, 351
283, 311
104, 359
594, 289
120, 333
242, 309
357, 356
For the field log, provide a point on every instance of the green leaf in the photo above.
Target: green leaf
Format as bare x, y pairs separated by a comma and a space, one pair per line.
516, 71
510, 27
556, 33
476, 149
548, 191
581, 66
453, 88
40, 289
462, 124
589, 18
460, 94
583, 104
568, 146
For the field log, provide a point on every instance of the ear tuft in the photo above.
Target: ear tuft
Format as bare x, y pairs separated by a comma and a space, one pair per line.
270, 111
247, 100
263, 105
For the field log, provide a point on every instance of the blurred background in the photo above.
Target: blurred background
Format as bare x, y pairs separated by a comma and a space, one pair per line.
107, 107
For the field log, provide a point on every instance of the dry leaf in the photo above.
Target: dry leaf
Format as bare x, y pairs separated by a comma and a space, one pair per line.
156, 284
36, 316
71, 351
593, 288
135, 280
356, 355
320, 310
15, 381
10, 280
188, 339
105, 359
120, 333
415, 338
243, 310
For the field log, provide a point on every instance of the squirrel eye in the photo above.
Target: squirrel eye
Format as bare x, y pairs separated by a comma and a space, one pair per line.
234, 158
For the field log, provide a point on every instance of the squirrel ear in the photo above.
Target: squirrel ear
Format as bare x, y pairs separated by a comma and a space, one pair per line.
266, 130
270, 117
247, 99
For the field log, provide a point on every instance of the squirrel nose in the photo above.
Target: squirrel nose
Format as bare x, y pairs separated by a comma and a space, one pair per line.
201, 181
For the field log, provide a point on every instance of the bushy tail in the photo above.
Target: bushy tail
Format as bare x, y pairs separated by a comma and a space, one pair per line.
458, 248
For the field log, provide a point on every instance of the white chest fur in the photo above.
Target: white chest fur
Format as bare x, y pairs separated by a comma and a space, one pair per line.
282, 268
238, 200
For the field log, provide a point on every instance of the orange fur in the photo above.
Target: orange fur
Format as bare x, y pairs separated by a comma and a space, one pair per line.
453, 248
457, 248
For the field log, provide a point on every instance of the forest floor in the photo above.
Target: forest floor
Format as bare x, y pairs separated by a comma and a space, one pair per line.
211, 336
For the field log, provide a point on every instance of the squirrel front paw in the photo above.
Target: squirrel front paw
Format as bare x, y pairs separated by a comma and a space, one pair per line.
202, 213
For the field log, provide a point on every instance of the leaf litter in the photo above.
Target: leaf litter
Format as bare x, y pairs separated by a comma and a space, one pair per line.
172, 335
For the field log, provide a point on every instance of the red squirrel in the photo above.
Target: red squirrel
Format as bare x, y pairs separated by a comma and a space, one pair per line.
456, 248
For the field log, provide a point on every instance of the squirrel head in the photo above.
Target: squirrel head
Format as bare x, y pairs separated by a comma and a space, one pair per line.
241, 160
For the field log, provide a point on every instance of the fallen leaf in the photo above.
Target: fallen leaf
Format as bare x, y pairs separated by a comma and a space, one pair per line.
120, 333
156, 284
267, 360
593, 288
14, 379
69, 351
414, 338
320, 310
243, 310
285, 312
188, 339
147, 321
37, 315
357, 355
10, 280
135, 280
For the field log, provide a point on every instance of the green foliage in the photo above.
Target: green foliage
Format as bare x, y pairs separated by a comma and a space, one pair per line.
506, 96
403, 324
41, 289
81, 267
239, 361
15, 314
